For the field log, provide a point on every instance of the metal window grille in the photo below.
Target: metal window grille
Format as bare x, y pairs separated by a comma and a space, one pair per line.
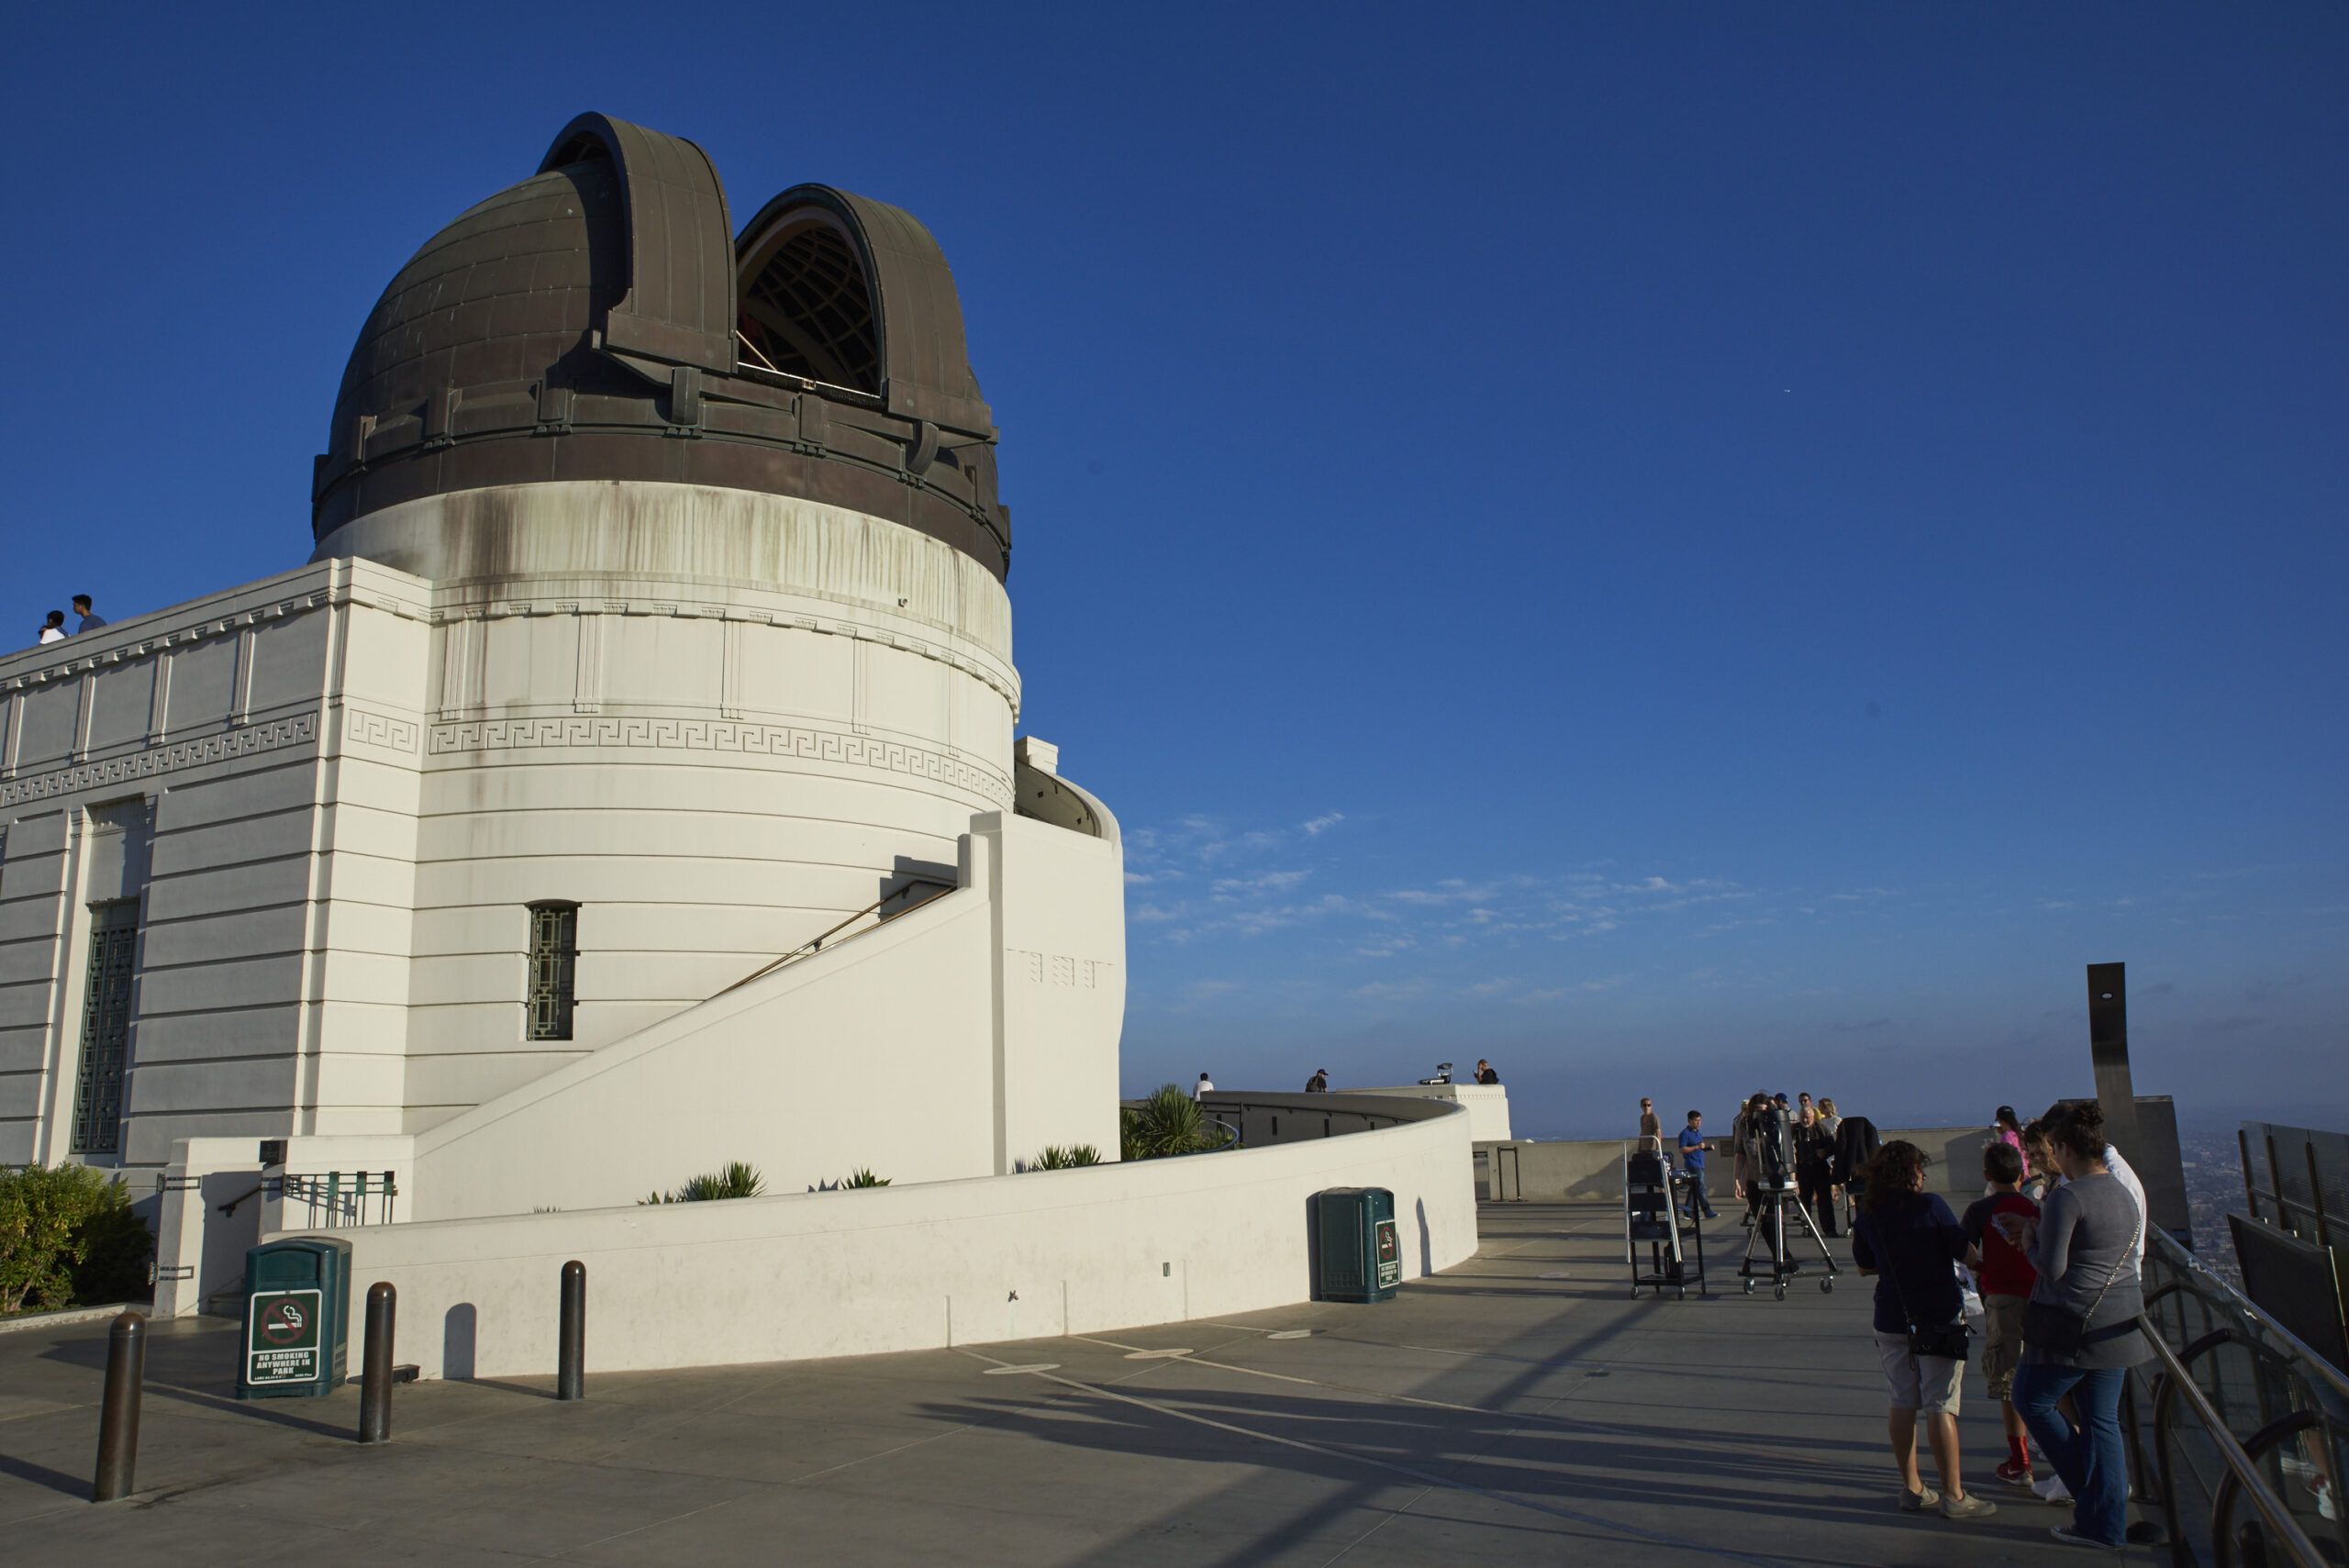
105, 1028
554, 957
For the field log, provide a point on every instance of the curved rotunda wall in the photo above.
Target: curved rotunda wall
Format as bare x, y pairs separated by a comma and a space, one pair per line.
717, 722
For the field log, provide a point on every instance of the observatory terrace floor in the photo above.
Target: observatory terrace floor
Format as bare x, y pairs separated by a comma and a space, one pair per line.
1518, 1408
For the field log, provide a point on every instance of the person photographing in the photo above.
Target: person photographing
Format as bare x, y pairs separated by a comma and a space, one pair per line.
2079, 1328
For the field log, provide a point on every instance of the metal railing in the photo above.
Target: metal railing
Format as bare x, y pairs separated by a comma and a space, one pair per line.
331, 1197
2248, 1427
815, 944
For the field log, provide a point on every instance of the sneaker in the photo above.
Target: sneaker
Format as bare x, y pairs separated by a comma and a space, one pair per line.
1918, 1502
2053, 1490
2014, 1475
2071, 1537
1967, 1507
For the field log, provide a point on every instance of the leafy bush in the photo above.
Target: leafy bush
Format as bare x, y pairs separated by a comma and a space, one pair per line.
67, 1233
1057, 1158
1168, 1122
860, 1177
738, 1180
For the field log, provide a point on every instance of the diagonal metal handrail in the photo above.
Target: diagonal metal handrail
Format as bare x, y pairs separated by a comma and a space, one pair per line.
2178, 1380
815, 944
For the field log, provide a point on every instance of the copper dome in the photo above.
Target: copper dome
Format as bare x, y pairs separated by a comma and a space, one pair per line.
596, 321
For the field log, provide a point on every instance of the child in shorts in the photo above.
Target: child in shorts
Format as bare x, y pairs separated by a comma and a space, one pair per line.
2007, 1279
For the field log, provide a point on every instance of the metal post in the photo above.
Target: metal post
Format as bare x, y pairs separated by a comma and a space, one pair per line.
570, 1373
118, 1415
2250, 1193
2316, 1196
375, 1378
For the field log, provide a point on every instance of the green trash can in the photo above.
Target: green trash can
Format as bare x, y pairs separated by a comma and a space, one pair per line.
297, 1319
1357, 1251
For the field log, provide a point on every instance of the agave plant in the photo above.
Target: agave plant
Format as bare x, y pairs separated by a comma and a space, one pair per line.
1056, 1157
1168, 1122
736, 1180
860, 1177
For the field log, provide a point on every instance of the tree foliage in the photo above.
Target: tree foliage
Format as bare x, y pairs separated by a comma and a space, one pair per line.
1059, 1157
67, 1234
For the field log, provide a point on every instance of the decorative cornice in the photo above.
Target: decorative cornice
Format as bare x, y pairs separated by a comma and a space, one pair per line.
269, 736
721, 735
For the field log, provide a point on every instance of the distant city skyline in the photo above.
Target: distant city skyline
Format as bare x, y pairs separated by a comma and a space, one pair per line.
1684, 551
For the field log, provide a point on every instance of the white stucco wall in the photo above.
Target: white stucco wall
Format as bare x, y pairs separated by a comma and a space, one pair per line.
1487, 1104
897, 1268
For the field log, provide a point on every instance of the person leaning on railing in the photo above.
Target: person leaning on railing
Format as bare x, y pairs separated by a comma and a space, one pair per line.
2081, 1332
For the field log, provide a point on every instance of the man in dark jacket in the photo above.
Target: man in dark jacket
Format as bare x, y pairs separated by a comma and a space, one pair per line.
1855, 1145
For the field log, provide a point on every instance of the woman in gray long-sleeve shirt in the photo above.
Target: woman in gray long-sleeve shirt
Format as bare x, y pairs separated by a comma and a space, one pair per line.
2084, 1245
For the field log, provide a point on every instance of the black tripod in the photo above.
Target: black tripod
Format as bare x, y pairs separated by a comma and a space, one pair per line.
1774, 1200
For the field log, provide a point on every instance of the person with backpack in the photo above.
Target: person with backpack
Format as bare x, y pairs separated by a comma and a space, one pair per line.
1908, 1238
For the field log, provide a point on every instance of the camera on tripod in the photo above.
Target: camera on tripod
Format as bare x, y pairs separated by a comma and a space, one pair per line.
1770, 1146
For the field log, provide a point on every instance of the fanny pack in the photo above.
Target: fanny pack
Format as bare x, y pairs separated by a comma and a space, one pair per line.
2059, 1330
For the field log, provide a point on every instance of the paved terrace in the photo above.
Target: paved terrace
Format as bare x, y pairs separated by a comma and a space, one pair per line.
1519, 1408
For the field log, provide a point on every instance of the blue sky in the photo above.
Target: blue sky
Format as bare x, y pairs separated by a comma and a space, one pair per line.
1681, 548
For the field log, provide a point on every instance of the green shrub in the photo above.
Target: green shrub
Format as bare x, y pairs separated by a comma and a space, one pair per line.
860, 1177
1057, 1158
738, 1180
1168, 1122
67, 1233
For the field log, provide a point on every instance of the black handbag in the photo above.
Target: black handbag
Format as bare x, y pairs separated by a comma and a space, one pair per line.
2059, 1330
1945, 1341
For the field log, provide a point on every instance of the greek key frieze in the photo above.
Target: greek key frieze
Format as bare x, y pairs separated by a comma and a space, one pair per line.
298, 729
781, 740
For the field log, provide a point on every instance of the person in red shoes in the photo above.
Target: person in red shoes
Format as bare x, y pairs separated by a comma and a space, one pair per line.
2006, 1279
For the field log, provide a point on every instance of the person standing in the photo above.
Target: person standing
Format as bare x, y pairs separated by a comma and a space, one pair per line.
1815, 1169
2007, 1280
1319, 1083
2084, 1246
1907, 1238
1651, 1124
1692, 1159
1203, 1087
1484, 1074
90, 621
52, 630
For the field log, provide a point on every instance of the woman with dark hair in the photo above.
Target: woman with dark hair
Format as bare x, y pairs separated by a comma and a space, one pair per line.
1908, 1238
2080, 1333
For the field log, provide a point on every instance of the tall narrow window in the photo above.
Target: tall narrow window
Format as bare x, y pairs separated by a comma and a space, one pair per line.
555, 955
105, 1028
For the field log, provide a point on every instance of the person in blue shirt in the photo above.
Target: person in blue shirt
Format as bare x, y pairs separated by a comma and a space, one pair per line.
91, 619
1692, 1159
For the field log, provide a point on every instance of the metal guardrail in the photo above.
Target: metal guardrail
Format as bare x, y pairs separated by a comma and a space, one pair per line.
815, 944
330, 1198
2242, 1412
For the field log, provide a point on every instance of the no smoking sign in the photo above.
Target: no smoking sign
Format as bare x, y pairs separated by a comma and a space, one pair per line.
281, 1345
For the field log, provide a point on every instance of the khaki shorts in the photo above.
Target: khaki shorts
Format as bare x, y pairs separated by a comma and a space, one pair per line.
2001, 1341
1925, 1383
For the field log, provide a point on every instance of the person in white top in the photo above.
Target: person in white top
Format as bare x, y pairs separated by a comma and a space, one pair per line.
1202, 1087
53, 629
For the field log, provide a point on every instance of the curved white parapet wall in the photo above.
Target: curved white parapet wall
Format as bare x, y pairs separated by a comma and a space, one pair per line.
904, 1268
587, 531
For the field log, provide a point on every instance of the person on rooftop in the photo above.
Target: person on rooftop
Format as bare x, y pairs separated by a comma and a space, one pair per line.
1202, 1087
1319, 1083
1907, 1238
1692, 1159
1651, 1124
52, 630
91, 620
1484, 1074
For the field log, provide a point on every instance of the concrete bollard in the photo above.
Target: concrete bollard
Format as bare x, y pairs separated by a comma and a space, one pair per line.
118, 1414
570, 1373
375, 1378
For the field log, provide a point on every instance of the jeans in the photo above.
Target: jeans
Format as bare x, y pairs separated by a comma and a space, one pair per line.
1696, 1198
2090, 1461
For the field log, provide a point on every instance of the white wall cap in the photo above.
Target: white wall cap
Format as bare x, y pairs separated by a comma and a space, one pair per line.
1041, 755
